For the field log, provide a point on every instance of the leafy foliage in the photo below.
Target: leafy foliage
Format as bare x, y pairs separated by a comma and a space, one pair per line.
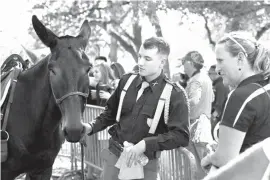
116, 24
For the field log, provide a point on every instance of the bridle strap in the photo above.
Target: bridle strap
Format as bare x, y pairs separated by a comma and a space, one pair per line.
59, 100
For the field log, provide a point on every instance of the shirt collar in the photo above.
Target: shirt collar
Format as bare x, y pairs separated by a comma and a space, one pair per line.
154, 84
251, 79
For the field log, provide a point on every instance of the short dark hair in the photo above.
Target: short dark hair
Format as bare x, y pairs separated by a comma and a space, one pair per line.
196, 58
101, 58
156, 42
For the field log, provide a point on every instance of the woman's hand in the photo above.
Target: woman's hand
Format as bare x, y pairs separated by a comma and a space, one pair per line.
104, 95
206, 162
92, 82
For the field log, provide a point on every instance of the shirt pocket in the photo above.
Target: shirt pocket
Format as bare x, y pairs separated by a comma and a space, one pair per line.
126, 108
148, 112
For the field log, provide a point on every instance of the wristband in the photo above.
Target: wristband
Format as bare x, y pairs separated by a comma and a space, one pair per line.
266, 147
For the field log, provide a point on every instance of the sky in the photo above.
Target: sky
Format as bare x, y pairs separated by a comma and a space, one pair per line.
15, 18
14, 23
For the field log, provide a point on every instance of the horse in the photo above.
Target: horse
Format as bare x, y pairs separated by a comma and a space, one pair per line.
48, 105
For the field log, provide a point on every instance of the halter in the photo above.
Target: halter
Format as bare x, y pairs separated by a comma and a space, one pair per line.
59, 100
73, 93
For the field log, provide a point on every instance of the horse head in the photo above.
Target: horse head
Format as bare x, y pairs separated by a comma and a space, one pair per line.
68, 69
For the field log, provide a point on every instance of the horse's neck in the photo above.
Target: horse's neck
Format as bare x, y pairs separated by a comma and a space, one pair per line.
35, 86
33, 104
36, 77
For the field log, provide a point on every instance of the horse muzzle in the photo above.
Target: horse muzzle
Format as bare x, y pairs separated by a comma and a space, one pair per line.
73, 134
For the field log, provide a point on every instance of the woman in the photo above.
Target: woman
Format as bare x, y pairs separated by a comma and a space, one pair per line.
101, 90
118, 72
244, 65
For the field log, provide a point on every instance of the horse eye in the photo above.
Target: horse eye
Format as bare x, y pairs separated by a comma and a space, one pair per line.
52, 71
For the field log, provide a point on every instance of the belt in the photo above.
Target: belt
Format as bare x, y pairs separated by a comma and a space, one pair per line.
115, 147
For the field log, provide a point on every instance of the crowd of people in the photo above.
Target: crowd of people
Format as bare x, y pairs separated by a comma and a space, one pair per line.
104, 79
220, 114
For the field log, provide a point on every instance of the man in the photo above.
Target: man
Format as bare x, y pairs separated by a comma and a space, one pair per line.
221, 92
251, 164
200, 95
136, 115
100, 59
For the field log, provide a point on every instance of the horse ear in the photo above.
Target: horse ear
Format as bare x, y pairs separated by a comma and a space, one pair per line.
44, 34
85, 33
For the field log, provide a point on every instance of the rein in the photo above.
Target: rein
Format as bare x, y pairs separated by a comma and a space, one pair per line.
82, 160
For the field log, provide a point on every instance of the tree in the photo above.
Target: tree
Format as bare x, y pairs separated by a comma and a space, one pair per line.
225, 16
110, 20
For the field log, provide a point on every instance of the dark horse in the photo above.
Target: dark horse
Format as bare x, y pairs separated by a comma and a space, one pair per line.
48, 104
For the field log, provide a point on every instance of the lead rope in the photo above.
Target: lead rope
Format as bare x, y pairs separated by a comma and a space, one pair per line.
82, 160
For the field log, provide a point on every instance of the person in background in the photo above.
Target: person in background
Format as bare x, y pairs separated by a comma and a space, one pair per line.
220, 93
100, 85
100, 60
200, 95
135, 69
181, 79
250, 165
139, 104
118, 72
245, 65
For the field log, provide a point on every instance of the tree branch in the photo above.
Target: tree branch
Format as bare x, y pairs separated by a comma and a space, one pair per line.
92, 10
261, 31
153, 18
208, 31
121, 19
127, 35
123, 43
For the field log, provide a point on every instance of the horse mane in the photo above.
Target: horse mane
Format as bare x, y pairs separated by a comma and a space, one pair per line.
33, 67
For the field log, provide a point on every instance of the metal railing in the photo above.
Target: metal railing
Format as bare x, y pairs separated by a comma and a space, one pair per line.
177, 164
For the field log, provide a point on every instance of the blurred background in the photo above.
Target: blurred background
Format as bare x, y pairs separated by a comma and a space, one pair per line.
119, 27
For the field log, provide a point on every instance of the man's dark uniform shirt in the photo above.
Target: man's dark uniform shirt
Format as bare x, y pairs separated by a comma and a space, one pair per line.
133, 125
248, 110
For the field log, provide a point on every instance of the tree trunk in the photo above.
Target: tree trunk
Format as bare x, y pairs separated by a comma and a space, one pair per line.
153, 18
113, 50
261, 31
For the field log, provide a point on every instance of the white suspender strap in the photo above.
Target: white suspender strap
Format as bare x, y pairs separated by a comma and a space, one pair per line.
122, 96
165, 96
5, 93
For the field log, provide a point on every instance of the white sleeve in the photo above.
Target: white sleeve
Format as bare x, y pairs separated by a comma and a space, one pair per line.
266, 147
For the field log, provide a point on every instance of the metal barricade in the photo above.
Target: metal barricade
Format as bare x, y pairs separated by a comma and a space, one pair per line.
177, 164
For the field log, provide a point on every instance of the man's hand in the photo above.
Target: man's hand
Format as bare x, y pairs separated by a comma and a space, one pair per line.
133, 152
87, 128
